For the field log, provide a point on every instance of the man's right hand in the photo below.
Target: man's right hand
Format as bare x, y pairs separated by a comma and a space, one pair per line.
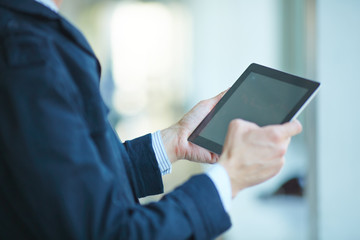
254, 154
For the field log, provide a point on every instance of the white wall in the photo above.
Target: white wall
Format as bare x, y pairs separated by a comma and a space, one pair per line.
338, 68
228, 36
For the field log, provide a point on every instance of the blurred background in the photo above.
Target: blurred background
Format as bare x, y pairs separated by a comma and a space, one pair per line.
160, 57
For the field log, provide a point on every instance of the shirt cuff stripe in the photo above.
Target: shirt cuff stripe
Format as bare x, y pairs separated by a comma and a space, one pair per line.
160, 153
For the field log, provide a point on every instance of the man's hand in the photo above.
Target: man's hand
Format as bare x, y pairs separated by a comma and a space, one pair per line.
253, 154
175, 138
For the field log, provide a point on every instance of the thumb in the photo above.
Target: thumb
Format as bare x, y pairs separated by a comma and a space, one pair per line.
216, 99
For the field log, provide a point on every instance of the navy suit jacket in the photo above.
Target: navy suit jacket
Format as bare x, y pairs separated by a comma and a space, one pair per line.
64, 174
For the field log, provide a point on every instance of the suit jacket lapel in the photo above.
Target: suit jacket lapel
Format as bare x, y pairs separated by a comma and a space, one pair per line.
75, 35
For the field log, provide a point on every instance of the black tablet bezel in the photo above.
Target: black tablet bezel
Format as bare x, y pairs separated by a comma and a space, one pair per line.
311, 87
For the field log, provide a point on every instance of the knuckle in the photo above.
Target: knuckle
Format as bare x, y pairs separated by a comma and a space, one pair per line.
242, 123
235, 123
275, 136
241, 128
281, 151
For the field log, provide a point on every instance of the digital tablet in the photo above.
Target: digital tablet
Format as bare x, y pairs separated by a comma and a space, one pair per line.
261, 95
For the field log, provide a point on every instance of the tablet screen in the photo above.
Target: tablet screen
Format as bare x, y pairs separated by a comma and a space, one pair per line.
261, 95
260, 99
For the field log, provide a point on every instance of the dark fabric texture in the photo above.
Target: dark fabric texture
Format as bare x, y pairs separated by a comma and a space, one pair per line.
64, 173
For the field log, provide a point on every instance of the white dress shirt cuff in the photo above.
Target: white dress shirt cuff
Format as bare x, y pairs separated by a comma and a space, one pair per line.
220, 178
216, 172
160, 153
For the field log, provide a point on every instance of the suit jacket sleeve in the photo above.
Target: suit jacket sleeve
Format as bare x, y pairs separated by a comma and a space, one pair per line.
54, 182
144, 169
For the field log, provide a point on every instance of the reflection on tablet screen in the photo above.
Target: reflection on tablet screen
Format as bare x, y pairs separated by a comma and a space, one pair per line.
260, 99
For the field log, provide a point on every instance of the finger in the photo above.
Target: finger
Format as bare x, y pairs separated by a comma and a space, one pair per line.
209, 104
281, 132
217, 98
291, 128
237, 127
241, 124
220, 95
201, 109
214, 158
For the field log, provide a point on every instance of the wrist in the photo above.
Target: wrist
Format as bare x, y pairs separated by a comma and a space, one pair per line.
170, 141
236, 187
221, 180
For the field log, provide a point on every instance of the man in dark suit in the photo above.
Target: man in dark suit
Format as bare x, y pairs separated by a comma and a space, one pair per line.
64, 174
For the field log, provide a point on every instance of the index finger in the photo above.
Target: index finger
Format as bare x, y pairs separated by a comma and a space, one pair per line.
290, 129
283, 131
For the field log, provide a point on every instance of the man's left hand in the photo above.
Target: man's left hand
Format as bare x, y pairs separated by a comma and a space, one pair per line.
175, 138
